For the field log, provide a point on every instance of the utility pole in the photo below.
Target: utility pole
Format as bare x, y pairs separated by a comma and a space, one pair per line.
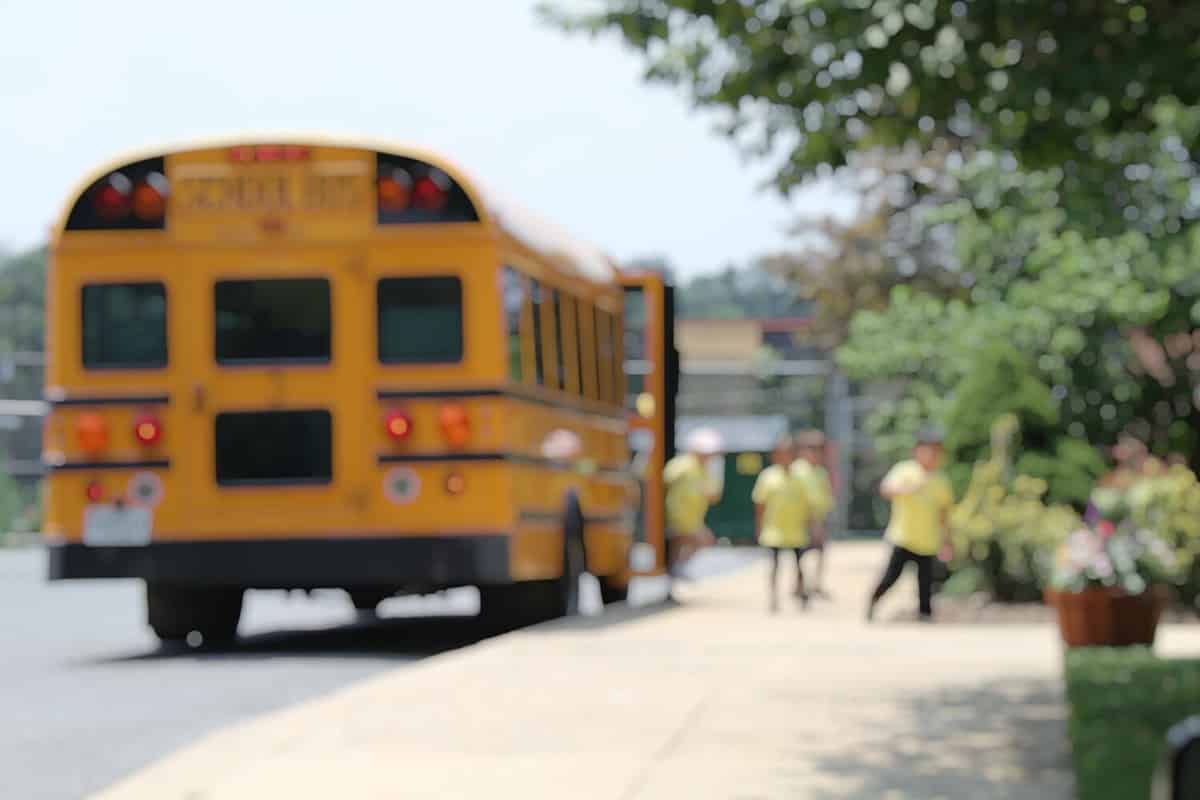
839, 423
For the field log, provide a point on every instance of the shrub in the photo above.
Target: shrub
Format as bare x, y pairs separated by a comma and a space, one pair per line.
1004, 529
1122, 702
1167, 502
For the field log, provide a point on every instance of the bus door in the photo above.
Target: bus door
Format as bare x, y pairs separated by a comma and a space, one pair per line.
651, 379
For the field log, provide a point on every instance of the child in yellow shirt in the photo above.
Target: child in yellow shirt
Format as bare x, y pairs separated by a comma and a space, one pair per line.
691, 489
810, 466
781, 515
921, 500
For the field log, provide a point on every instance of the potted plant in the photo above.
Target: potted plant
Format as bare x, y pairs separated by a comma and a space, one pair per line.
1109, 585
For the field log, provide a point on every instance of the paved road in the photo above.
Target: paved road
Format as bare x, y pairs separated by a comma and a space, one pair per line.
86, 695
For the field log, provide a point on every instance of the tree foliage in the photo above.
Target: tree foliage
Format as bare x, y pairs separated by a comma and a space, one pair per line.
816, 80
847, 266
22, 290
1107, 322
737, 293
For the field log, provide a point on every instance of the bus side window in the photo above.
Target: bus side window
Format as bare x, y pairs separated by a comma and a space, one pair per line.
618, 363
539, 354
513, 287
560, 361
571, 344
604, 352
585, 334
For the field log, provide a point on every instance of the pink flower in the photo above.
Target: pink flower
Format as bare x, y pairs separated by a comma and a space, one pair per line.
1105, 528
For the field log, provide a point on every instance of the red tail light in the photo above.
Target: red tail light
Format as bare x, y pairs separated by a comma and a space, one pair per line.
427, 195
398, 425
92, 431
147, 430
455, 425
112, 199
95, 492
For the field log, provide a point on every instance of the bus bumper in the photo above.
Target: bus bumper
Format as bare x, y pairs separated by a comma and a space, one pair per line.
417, 562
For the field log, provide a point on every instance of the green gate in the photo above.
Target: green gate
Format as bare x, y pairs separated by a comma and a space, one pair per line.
732, 517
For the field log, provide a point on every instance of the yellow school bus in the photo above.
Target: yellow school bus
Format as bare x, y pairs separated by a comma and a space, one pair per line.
296, 363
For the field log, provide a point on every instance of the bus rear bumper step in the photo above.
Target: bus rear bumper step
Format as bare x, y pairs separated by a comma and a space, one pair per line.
425, 561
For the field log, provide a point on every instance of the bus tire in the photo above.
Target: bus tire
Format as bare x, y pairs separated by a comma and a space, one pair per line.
174, 612
515, 604
611, 592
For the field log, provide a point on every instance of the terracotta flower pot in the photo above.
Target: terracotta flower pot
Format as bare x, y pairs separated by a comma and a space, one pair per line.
1101, 616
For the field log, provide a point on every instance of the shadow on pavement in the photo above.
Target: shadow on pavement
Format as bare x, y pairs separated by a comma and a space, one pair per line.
1003, 740
618, 614
407, 637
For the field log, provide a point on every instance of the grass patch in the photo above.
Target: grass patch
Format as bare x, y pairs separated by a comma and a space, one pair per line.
1122, 701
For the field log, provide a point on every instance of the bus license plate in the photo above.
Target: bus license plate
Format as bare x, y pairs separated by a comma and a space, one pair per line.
110, 526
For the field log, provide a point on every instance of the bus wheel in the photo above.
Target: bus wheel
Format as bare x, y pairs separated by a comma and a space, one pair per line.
175, 612
611, 592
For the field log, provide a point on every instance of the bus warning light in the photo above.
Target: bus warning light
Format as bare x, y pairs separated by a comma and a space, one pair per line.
394, 191
149, 198
112, 198
427, 195
95, 491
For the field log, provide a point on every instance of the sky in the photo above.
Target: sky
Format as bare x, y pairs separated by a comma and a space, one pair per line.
561, 123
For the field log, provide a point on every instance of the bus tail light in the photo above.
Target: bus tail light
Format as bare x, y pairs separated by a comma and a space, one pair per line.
398, 425
147, 430
92, 433
94, 491
455, 425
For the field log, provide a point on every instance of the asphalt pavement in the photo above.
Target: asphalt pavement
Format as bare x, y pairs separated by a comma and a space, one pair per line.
87, 696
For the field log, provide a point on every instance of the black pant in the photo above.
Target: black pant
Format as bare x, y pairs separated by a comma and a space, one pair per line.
895, 566
797, 551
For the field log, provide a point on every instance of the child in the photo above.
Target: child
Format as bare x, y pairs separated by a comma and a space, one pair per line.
781, 515
691, 488
921, 498
809, 466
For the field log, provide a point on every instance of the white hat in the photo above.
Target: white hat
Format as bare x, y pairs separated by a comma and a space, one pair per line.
705, 441
562, 445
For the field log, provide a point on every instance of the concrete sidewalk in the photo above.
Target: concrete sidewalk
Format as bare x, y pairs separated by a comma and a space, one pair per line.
710, 699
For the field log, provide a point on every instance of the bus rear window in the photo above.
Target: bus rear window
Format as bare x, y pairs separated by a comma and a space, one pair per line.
420, 320
272, 320
124, 326
274, 447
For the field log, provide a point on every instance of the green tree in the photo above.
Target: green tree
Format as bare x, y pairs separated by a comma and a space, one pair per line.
809, 83
738, 293
22, 290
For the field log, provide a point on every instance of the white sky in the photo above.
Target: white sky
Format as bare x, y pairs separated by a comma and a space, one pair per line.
562, 124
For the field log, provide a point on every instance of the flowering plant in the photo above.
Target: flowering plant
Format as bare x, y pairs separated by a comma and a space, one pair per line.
1121, 556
